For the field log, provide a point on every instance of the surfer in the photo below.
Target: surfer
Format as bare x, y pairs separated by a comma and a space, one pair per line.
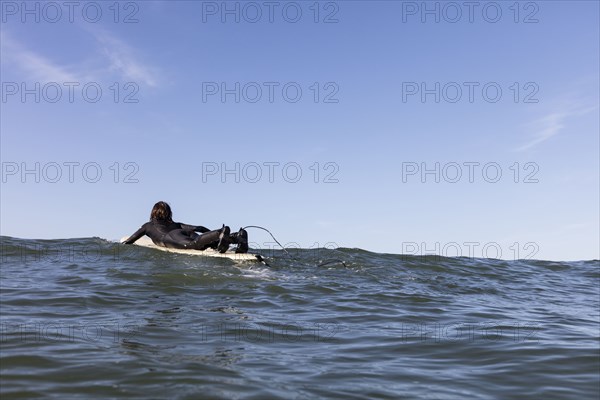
164, 232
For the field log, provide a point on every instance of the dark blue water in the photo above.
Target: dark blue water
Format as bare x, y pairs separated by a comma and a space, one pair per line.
88, 318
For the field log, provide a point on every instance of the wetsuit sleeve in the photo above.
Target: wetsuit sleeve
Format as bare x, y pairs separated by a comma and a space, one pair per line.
201, 229
195, 228
138, 234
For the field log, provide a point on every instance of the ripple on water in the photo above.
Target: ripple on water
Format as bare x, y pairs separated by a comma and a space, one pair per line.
141, 323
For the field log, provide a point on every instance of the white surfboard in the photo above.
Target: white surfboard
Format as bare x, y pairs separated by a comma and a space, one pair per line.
147, 242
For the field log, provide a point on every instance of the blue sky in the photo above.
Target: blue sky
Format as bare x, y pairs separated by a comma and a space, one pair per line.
399, 92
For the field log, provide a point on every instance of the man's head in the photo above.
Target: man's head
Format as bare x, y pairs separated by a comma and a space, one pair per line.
161, 212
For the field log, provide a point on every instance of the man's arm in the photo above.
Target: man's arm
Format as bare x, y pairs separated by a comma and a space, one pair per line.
138, 234
195, 228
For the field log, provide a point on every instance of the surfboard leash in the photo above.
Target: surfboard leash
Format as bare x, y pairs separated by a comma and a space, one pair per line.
287, 252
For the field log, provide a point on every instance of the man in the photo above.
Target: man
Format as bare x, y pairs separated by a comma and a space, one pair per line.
164, 232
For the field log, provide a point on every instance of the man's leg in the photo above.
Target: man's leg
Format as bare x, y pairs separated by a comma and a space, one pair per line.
217, 239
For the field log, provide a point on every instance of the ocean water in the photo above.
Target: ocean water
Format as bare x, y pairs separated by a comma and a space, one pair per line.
88, 318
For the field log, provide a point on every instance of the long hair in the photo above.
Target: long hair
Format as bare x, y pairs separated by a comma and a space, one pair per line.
161, 212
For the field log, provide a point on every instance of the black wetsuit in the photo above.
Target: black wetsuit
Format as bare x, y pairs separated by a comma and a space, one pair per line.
176, 235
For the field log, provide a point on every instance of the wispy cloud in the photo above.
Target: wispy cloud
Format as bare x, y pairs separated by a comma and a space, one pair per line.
35, 66
122, 61
552, 124
545, 128
117, 59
